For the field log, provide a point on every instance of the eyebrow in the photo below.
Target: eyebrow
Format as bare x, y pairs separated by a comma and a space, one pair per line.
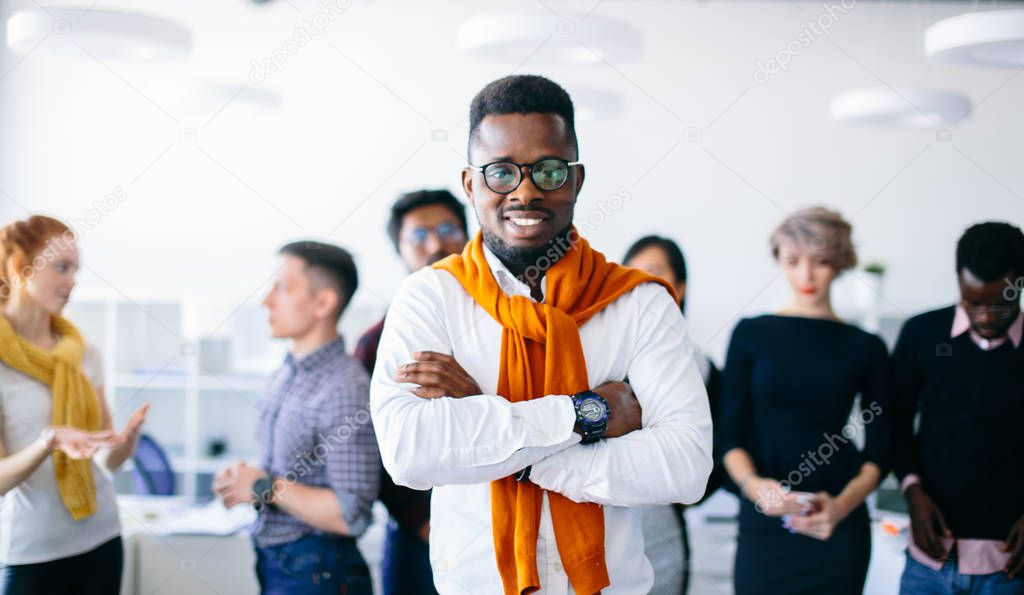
509, 159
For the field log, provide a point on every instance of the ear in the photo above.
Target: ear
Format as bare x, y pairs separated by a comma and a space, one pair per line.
581, 173
467, 184
326, 303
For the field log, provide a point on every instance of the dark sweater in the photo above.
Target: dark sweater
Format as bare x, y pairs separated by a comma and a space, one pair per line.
789, 387
969, 447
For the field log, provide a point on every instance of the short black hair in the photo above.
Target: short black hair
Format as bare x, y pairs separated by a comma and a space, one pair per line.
673, 253
991, 249
411, 201
333, 261
522, 94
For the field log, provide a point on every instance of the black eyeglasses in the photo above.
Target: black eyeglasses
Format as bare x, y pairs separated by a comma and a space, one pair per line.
548, 174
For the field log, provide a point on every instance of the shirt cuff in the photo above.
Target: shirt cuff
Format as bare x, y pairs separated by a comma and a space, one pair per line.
909, 480
357, 520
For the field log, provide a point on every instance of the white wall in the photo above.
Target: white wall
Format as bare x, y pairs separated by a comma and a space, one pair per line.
204, 218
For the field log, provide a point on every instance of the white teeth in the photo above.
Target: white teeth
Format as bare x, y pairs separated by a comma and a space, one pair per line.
525, 222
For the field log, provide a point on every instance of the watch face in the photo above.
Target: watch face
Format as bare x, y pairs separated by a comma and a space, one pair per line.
592, 410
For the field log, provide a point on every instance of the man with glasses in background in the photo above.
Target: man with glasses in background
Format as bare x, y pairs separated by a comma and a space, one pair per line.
960, 368
499, 376
425, 226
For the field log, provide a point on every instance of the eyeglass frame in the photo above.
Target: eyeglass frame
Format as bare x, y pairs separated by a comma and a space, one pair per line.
433, 231
519, 167
1001, 311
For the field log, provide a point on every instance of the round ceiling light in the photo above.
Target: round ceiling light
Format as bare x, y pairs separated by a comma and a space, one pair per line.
106, 34
990, 38
912, 108
516, 36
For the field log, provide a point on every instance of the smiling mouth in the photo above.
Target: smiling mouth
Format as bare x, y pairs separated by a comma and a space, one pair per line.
525, 221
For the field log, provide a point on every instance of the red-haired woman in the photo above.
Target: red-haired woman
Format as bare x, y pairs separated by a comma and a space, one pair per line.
59, 527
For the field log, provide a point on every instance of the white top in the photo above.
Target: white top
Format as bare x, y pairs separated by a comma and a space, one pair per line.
35, 526
457, 446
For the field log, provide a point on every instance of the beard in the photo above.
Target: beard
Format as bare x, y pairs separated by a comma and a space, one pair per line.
520, 259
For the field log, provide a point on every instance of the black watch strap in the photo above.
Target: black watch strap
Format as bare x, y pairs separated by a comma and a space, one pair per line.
262, 492
524, 474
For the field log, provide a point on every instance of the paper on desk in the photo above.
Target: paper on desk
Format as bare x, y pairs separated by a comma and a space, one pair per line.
206, 519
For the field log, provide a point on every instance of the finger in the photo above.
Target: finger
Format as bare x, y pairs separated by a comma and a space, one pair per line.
427, 379
101, 436
941, 523
426, 392
431, 356
1012, 540
1016, 563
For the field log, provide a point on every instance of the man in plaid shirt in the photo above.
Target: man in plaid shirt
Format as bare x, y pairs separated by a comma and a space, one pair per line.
319, 468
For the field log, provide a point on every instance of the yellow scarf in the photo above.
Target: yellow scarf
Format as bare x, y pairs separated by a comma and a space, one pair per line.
541, 354
74, 402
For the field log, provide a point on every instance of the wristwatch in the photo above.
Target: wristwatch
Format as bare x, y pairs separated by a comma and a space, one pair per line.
592, 413
262, 492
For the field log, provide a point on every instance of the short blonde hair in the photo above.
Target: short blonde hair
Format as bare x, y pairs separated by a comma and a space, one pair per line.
821, 231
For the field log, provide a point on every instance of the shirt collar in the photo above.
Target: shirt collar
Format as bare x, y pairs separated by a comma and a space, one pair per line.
962, 324
324, 353
509, 283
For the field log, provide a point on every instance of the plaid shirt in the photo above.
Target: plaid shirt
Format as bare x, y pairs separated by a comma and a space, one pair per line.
315, 429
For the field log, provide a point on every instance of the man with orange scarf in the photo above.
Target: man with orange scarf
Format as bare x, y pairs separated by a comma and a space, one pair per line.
499, 378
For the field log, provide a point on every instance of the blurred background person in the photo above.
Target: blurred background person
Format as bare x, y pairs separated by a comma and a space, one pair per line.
666, 540
424, 227
319, 467
790, 382
59, 526
959, 369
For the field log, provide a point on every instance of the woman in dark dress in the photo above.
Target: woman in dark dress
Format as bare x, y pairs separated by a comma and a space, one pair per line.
788, 436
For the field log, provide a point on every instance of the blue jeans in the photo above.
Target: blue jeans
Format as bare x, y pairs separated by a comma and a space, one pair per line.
316, 564
918, 579
406, 566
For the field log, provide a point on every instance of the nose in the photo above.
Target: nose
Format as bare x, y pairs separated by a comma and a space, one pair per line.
433, 243
806, 272
527, 191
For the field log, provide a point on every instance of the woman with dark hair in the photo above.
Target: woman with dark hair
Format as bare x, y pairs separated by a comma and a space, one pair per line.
59, 527
791, 380
666, 542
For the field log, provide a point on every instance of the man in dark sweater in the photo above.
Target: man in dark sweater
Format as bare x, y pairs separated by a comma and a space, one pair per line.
961, 369
425, 226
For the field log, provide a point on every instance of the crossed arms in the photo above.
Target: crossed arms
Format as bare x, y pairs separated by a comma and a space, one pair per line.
427, 442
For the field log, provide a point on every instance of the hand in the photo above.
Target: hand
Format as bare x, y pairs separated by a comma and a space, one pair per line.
76, 443
234, 484
130, 433
818, 523
927, 523
771, 499
1015, 546
624, 413
438, 375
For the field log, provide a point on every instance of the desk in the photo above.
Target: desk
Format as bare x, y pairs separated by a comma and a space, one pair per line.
166, 554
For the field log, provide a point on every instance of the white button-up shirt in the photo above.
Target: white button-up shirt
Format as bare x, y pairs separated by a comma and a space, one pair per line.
458, 446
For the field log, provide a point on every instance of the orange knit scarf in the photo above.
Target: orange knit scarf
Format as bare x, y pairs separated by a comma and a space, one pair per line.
541, 354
